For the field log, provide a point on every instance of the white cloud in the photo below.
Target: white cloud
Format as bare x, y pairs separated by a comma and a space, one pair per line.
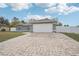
2, 5
46, 5
73, 9
62, 9
51, 10
20, 6
38, 17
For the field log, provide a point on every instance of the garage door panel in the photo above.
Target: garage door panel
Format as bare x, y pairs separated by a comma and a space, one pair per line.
42, 27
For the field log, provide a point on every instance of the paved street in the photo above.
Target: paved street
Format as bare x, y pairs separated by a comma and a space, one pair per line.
40, 44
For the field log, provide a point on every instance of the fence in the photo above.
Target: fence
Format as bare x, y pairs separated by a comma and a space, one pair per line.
67, 29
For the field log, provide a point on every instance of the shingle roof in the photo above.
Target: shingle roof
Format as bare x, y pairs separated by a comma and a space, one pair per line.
27, 24
46, 20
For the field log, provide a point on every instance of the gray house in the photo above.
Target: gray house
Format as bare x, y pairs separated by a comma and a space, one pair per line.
42, 25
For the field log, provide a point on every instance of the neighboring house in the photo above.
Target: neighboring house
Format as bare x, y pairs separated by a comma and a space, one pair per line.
43, 25
3, 27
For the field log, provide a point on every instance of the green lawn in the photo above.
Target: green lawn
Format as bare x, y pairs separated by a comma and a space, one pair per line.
7, 35
73, 35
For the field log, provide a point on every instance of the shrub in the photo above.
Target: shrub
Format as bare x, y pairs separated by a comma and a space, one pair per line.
3, 29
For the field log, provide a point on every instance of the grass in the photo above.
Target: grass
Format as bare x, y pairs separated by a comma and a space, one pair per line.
73, 35
7, 35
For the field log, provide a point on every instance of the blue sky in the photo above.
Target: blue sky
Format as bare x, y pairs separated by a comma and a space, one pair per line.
67, 13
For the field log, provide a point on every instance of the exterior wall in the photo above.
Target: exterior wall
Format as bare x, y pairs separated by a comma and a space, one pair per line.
42, 27
13, 29
67, 29
23, 28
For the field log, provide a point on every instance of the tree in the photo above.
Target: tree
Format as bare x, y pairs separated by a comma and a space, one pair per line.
2, 20
7, 22
77, 26
15, 22
60, 24
23, 21
66, 25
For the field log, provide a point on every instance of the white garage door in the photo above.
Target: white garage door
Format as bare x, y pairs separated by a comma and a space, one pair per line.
42, 27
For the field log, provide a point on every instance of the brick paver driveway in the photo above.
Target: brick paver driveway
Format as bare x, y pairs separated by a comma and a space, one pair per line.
40, 44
